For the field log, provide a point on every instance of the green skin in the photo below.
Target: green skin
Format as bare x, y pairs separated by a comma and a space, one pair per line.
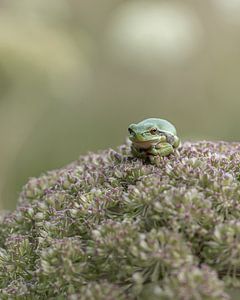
153, 137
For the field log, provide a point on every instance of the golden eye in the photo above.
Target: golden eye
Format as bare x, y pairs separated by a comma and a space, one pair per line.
153, 131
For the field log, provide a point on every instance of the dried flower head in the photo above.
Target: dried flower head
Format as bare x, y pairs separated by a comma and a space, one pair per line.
110, 226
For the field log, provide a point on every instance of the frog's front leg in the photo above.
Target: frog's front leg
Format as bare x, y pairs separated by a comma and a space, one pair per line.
153, 151
162, 149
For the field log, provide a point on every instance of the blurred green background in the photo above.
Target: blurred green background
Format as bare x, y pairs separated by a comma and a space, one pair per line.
74, 74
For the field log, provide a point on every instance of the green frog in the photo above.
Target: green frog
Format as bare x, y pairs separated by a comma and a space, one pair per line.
153, 137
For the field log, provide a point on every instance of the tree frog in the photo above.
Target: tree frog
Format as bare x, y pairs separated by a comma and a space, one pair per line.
152, 137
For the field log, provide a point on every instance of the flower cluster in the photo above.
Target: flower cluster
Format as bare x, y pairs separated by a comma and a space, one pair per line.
110, 226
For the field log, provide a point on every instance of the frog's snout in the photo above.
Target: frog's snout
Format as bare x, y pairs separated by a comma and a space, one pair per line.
136, 136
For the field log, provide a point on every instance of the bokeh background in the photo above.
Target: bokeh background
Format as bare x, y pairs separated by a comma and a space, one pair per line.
74, 74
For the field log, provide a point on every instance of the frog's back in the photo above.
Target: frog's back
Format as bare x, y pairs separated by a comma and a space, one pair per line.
162, 124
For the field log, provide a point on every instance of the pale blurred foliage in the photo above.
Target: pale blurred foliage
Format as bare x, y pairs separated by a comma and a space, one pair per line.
148, 33
229, 9
74, 74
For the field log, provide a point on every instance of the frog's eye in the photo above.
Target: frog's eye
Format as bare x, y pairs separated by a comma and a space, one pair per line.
154, 131
130, 131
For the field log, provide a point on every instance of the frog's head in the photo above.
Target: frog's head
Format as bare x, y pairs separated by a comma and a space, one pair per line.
142, 133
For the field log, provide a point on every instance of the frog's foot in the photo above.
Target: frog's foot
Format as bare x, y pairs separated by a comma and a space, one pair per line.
177, 142
137, 152
163, 149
